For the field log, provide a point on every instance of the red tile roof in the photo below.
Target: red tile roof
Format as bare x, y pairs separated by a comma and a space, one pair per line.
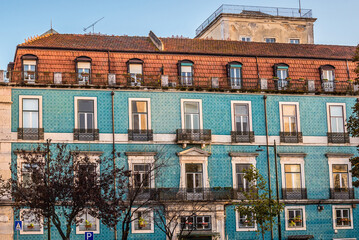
192, 46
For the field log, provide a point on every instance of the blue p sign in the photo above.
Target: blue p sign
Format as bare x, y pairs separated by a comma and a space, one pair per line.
89, 236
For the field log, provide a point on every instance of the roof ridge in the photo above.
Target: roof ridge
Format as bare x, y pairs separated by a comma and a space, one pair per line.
37, 37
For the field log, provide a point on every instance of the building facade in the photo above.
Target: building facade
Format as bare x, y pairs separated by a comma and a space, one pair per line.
205, 103
259, 24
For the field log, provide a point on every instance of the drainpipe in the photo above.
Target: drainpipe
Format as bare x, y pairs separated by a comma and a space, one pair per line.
113, 152
348, 72
268, 161
277, 191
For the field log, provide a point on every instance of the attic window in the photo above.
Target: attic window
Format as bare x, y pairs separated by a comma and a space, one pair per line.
327, 73
135, 69
281, 71
234, 73
185, 71
29, 67
83, 69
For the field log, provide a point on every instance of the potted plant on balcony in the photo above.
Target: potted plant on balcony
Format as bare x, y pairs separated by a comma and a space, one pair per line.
298, 219
325, 80
30, 226
301, 79
142, 222
88, 225
275, 78
346, 221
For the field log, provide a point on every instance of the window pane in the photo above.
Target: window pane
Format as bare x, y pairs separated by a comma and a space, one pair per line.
241, 109
82, 120
336, 111
289, 110
192, 167
293, 180
292, 168
198, 180
89, 121
85, 105
191, 107
143, 118
190, 183
34, 120
30, 105
195, 121
139, 106
136, 122
186, 69
340, 168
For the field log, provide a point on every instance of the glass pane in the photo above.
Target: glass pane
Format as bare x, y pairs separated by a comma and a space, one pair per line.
241, 109
190, 183
139, 107
336, 111
340, 168
82, 121
30, 105
90, 121
85, 106
136, 122
188, 122
192, 167
191, 107
292, 168
293, 180
289, 110
198, 180
186, 69
195, 121
34, 120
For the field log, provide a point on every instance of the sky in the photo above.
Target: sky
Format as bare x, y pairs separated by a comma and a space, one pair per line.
337, 21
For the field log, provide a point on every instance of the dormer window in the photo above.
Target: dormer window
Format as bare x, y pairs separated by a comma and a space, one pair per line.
327, 76
83, 69
281, 71
135, 70
185, 71
234, 72
29, 67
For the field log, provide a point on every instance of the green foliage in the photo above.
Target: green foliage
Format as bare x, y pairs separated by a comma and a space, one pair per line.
356, 59
257, 205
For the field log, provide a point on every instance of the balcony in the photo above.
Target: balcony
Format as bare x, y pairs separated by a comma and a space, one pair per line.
338, 137
281, 84
328, 86
294, 193
342, 193
30, 133
194, 136
86, 134
242, 137
291, 137
140, 135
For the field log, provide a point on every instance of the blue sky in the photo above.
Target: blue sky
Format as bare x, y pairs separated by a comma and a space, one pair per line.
338, 21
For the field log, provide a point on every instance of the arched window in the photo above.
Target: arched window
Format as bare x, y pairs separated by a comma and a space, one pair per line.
83, 69
281, 71
185, 71
234, 73
327, 73
135, 69
29, 67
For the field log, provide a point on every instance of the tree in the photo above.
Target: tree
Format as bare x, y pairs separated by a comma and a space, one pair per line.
58, 185
257, 206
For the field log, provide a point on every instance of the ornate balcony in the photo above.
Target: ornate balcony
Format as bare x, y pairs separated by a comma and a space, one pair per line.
140, 135
342, 193
294, 193
338, 137
242, 137
86, 134
194, 136
30, 133
291, 137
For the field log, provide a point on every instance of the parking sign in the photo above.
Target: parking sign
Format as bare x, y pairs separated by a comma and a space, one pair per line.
89, 236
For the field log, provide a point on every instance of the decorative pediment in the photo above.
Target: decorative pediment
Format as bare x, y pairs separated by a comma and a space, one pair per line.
193, 152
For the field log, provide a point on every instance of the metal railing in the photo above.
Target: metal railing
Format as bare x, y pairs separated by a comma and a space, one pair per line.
338, 137
193, 135
342, 193
140, 135
242, 137
255, 10
294, 193
30, 133
81, 134
291, 137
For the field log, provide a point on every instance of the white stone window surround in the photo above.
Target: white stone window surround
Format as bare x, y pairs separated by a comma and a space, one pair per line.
287, 228
239, 229
20, 160
246, 38
334, 207
22, 232
94, 109
148, 100
339, 158
241, 158
249, 103
344, 115
194, 155
142, 158
78, 231
281, 114
133, 212
21, 97
92, 157
292, 158
199, 101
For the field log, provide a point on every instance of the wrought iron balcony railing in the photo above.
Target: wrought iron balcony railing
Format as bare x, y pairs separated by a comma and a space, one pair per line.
81, 134
242, 137
140, 135
194, 135
294, 193
30, 133
342, 193
291, 137
338, 137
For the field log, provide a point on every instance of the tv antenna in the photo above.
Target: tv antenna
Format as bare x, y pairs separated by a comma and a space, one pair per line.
93, 26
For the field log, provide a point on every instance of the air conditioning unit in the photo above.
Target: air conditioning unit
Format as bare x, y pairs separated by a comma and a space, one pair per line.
172, 84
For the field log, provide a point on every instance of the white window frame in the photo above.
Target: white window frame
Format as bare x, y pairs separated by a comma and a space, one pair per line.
281, 114
265, 39
20, 161
287, 228
344, 115
246, 37
21, 97
249, 103
199, 101
22, 232
92, 158
239, 229
76, 99
148, 100
147, 158
83, 232
133, 212
293, 160
339, 160
290, 39
241, 160
334, 207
